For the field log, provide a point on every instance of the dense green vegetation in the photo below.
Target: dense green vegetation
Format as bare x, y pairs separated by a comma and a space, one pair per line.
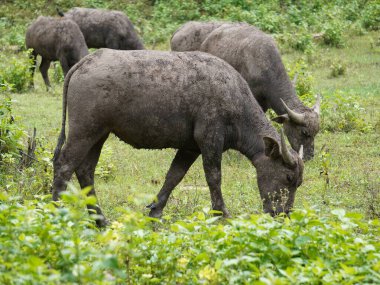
331, 238
43, 244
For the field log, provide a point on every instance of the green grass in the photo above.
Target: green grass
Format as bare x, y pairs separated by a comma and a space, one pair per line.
137, 175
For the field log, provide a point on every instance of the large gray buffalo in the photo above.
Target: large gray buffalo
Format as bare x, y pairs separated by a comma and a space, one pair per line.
105, 28
54, 39
255, 56
193, 102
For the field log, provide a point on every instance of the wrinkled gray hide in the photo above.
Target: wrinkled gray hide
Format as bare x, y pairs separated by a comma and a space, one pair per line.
191, 35
193, 102
105, 28
255, 56
55, 39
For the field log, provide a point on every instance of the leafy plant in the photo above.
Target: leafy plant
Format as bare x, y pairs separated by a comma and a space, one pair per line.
337, 69
105, 167
15, 71
58, 76
333, 34
371, 16
63, 247
299, 72
30, 180
301, 41
325, 159
342, 112
11, 135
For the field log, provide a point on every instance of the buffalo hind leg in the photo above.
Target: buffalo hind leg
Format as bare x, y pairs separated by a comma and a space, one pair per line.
85, 174
210, 141
180, 165
69, 159
44, 67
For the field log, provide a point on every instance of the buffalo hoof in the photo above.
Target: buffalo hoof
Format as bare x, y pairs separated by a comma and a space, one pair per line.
155, 211
223, 212
102, 223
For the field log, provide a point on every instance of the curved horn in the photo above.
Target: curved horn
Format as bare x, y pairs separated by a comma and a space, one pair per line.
294, 116
300, 152
285, 153
317, 106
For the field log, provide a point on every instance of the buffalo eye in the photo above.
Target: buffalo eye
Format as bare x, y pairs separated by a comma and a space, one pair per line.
289, 178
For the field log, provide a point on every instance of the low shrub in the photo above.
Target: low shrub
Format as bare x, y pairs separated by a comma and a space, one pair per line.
370, 17
342, 112
337, 69
106, 167
11, 135
301, 41
15, 71
19, 179
333, 34
304, 80
63, 247
58, 76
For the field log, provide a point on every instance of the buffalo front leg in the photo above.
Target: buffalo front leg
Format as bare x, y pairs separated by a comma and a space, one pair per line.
210, 140
179, 167
213, 173
44, 67
85, 174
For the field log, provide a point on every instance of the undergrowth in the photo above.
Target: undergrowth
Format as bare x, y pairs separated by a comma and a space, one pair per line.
62, 246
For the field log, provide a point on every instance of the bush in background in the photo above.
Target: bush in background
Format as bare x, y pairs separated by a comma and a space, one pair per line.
342, 112
11, 135
337, 69
18, 179
156, 20
15, 71
304, 81
370, 17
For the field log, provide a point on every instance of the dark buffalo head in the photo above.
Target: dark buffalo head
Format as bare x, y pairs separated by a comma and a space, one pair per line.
279, 174
301, 128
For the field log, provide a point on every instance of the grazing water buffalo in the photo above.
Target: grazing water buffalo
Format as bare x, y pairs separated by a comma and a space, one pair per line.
255, 56
193, 102
105, 29
190, 36
54, 39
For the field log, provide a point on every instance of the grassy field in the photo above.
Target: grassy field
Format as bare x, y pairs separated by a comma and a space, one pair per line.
345, 172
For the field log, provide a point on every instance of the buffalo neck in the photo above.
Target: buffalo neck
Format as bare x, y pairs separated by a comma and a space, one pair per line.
252, 131
281, 87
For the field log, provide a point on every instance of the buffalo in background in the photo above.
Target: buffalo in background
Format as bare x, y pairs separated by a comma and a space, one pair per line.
255, 56
105, 28
54, 39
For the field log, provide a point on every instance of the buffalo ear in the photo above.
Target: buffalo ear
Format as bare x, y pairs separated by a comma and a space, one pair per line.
272, 148
281, 119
